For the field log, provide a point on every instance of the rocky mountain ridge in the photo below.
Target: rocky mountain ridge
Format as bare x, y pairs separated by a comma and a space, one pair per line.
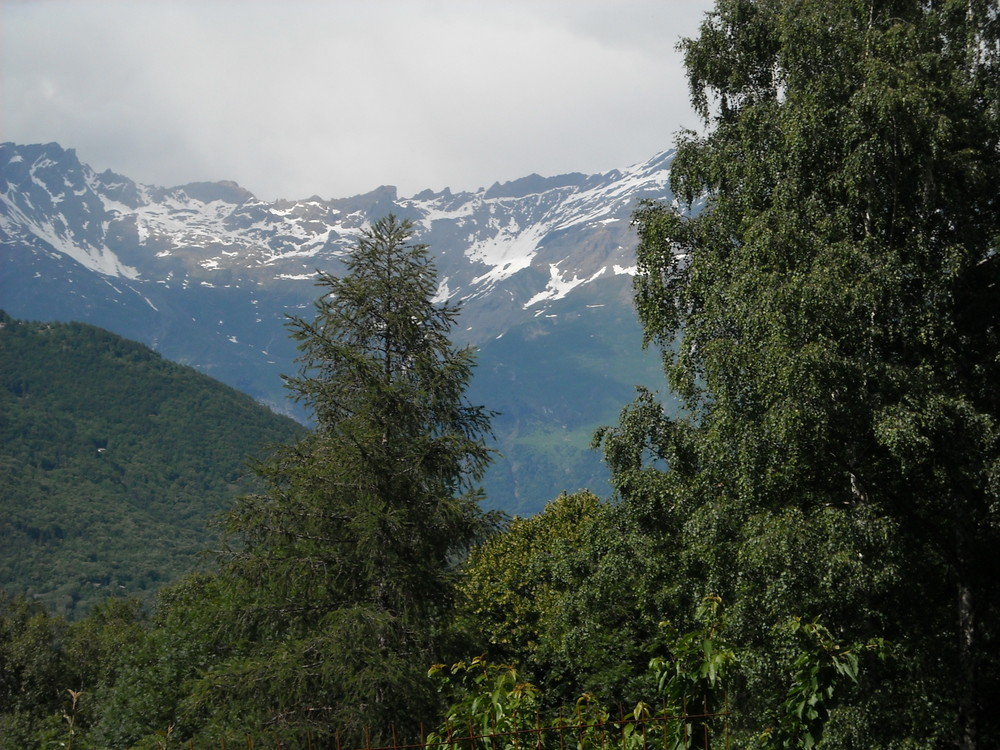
205, 272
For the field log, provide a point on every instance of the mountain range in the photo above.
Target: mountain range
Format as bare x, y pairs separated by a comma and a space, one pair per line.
205, 273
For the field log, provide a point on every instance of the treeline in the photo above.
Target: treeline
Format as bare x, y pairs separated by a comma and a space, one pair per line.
810, 542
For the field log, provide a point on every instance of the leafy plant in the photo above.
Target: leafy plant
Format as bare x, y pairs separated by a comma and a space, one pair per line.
491, 706
823, 664
693, 677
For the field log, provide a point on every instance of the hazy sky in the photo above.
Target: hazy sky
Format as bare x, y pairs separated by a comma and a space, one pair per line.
335, 98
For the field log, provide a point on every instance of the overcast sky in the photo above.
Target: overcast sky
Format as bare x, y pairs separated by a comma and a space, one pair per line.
337, 97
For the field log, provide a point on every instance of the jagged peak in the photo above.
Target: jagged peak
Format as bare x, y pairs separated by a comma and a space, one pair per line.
35, 152
429, 195
226, 191
533, 183
381, 200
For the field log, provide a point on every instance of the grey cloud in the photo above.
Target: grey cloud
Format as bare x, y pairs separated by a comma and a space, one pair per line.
297, 98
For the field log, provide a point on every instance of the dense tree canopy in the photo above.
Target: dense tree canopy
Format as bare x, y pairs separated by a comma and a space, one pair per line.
112, 461
830, 320
558, 594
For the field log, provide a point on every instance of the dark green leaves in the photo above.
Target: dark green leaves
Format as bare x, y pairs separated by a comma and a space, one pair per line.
816, 319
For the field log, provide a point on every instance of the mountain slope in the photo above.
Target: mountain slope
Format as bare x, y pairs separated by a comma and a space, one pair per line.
111, 461
204, 273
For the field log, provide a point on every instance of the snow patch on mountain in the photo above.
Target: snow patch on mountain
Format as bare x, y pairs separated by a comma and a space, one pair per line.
54, 232
44, 203
510, 250
559, 286
443, 293
527, 242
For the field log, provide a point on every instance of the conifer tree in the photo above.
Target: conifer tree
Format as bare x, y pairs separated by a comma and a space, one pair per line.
342, 571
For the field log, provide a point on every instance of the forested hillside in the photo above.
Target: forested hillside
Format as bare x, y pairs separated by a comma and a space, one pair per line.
802, 545
112, 460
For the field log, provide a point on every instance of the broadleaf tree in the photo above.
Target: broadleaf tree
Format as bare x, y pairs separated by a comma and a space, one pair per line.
830, 319
343, 570
556, 594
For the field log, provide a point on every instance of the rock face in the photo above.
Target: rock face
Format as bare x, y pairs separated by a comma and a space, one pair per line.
205, 273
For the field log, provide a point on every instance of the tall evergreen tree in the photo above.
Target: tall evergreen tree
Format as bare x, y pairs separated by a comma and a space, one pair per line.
830, 319
342, 571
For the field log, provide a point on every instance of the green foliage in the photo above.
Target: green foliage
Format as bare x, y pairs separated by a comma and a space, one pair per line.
516, 583
693, 678
827, 323
698, 662
486, 700
563, 594
822, 662
52, 671
30, 668
492, 707
152, 671
112, 460
703, 674
695, 674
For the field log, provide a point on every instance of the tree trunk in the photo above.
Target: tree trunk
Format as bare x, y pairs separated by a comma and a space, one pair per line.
967, 710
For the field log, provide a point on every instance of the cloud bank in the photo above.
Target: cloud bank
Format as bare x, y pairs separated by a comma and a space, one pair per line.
336, 98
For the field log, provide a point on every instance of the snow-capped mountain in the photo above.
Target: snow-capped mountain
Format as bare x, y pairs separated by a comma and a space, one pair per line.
205, 273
